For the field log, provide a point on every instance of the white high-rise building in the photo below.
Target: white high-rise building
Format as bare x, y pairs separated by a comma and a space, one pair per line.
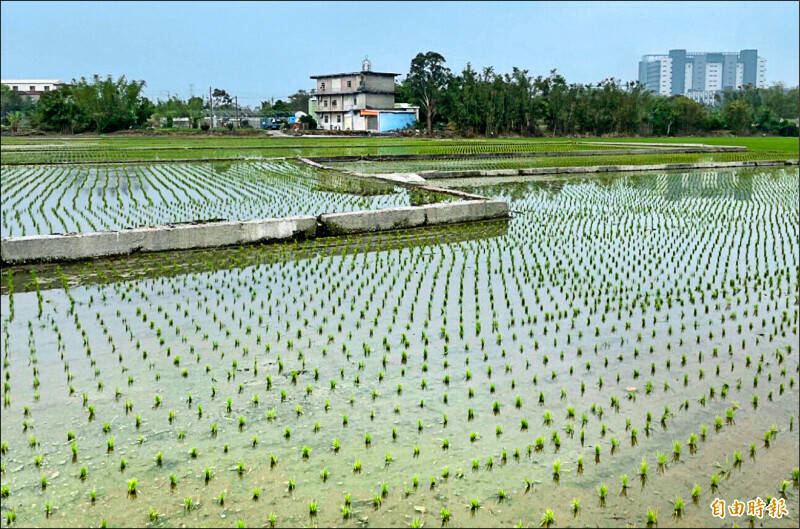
702, 76
657, 70
713, 76
687, 77
761, 79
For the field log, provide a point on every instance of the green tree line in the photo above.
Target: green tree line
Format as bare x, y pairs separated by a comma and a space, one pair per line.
107, 105
488, 103
99, 105
483, 103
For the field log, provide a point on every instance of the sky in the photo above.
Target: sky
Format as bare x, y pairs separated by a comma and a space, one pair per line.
261, 50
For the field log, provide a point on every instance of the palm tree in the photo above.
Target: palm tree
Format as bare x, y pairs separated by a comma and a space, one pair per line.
14, 121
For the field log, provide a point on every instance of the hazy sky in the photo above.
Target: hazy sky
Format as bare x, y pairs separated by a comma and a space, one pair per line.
258, 50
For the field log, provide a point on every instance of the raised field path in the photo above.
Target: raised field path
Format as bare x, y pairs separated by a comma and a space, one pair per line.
468, 173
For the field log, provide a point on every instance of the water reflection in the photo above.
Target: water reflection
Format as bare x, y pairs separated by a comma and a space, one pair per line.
735, 184
157, 265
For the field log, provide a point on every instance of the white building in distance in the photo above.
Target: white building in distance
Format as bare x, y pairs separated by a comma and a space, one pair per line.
702, 75
32, 87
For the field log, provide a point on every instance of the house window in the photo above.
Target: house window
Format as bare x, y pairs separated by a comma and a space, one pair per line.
326, 119
338, 119
46, 88
349, 84
33, 88
325, 103
333, 103
322, 86
355, 101
15, 88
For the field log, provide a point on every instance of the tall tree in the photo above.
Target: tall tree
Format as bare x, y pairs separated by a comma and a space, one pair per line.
102, 105
299, 101
428, 77
194, 109
281, 106
738, 114
222, 98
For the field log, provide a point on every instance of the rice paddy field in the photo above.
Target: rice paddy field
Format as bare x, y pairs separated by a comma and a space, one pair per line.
47, 199
484, 164
112, 148
623, 351
151, 149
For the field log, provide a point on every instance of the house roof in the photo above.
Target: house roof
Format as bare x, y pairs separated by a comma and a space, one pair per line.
385, 74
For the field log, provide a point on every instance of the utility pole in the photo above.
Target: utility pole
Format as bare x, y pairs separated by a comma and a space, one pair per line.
210, 107
238, 118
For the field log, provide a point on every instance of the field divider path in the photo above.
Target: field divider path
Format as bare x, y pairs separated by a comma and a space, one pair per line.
201, 234
509, 151
404, 179
602, 169
693, 149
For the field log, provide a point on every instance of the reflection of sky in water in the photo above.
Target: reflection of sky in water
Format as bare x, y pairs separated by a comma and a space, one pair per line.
736, 184
652, 280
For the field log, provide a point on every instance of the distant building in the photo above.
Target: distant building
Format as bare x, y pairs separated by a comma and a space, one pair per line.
358, 101
182, 123
702, 76
32, 87
242, 117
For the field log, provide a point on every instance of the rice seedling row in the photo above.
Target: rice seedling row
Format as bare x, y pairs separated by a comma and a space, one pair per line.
65, 154
485, 164
643, 326
53, 199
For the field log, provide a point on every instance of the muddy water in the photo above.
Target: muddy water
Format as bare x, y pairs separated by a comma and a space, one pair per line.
657, 274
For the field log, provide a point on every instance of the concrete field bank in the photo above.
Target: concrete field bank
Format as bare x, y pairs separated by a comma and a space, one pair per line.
472, 173
78, 246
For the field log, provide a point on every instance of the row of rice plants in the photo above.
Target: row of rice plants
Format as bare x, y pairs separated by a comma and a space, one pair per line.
60, 199
612, 321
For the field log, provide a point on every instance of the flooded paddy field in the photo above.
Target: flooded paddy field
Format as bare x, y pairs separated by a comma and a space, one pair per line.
623, 343
153, 149
487, 164
121, 148
61, 199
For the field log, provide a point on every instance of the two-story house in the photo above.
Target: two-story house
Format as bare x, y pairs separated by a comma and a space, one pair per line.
358, 101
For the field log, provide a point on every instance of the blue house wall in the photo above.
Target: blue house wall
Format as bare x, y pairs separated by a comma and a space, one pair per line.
388, 121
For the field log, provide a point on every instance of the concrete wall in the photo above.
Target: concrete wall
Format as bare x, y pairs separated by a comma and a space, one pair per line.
42, 248
364, 81
375, 220
383, 83
409, 217
338, 84
153, 239
379, 101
